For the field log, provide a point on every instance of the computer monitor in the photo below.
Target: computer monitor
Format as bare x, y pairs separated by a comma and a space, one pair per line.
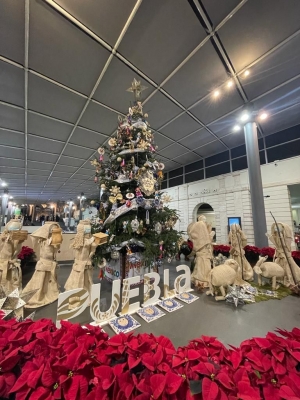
234, 220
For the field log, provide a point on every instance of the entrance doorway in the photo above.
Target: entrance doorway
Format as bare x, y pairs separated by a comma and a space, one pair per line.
209, 213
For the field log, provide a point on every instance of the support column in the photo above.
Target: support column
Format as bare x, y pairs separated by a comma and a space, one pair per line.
3, 209
256, 188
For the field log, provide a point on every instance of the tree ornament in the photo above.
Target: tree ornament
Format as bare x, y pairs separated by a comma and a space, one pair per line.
123, 163
135, 224
114, 255
112, 142
101, 152
125, 224
158, 228
119, 159
147, 181
96, 179
138, 192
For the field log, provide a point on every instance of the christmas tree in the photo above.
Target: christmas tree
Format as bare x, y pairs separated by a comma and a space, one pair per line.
133, 209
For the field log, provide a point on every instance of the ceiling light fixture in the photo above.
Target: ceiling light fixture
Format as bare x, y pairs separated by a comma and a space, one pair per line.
216, 93
229, 83
244, 117
247, 72
263, 116
3, 184
236, 128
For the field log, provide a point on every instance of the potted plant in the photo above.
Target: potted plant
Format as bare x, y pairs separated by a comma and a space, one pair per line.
26, 255
268, 251
252, 253
296, 257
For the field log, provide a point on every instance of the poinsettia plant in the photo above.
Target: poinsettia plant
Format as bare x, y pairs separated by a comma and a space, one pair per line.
221, 248
267, 251
40, 361
26, 255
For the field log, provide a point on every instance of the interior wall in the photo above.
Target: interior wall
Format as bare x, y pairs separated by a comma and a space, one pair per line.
229, 196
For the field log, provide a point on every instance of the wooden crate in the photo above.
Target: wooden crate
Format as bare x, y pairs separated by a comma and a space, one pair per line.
100, 238
19, 235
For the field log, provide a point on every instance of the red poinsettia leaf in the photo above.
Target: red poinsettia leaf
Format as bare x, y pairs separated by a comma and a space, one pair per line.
295, 354
158, 383
279, 355
278, 368
224, 380
236, 358
271, 392
9, 379
20, 383
40, 393
10, 360
210, 389
144, 386
246, 392
255, 356
293, 381
34, 377
173, 382
158, 356
266, 362
204, 368
287, 393
71, 391
23, 393
177, 360
133, 361
262, 343
148, 361
142, 396
47, 378
192, 355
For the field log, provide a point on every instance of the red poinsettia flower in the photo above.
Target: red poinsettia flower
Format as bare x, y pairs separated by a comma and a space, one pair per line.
267, 251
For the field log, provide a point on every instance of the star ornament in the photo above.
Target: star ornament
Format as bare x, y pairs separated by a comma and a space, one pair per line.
136, 88
235, 295
12, 304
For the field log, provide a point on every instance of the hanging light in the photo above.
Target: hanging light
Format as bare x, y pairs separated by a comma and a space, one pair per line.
236, 128
263, 116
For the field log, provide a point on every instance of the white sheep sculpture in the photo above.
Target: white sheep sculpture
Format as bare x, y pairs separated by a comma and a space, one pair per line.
222, 276
268, 270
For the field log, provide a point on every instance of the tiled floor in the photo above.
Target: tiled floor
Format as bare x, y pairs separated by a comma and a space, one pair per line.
203, 317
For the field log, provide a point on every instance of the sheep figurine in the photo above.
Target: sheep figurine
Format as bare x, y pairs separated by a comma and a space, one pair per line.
268, 270
223, 276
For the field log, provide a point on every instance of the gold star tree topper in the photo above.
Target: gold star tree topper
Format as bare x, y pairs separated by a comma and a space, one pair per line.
136, 88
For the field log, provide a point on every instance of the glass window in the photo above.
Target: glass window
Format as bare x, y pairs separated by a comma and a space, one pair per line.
283, 136
239, 164
216, 170
194, 176
286, 150
238, 151
164, 185
175, 172
176, 181
194, 166
217, 159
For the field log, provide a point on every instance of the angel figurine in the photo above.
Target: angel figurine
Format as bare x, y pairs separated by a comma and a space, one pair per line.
199, 235
49, 238
84, 246
238, 241
10, 270
282, 237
